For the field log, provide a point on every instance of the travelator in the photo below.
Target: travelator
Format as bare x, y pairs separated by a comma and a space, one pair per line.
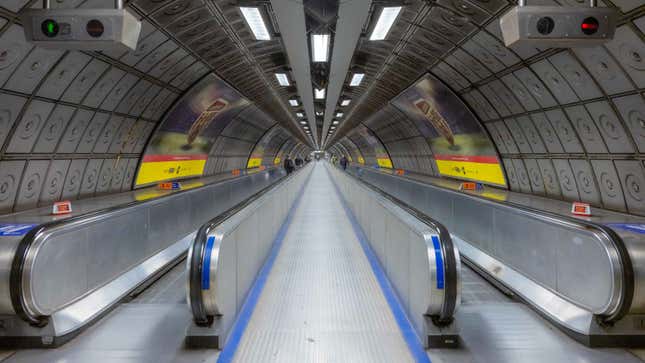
586, 278
416, 253
65, 273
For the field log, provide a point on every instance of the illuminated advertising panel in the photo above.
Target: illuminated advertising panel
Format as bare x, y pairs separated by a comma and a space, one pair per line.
461, 147
381, 155
180, 146
255, 160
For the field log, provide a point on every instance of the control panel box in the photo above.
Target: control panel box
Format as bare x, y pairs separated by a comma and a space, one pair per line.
558, 26
82, 29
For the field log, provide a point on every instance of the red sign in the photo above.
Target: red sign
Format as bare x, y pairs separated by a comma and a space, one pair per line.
170, 186
64, 207
581, 209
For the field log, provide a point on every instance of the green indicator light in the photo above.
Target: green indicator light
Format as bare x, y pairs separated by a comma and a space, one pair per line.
50, 28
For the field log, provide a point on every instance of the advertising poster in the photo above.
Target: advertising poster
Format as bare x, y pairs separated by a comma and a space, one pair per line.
381, 155
280, 155
461, 147
180, 146
255, 160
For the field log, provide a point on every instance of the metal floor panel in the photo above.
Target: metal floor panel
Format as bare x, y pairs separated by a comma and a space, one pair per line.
170, 288
321, 302
494, 328
149, 329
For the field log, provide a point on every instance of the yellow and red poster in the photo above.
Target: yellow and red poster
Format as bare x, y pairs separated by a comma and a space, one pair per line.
461, 147
381, 155
180, 147
255, 160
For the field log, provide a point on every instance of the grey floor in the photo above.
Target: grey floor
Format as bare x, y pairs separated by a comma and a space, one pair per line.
494, 328
321, 303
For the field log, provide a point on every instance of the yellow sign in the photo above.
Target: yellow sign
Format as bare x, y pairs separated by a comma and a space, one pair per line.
276, 161
153, 171
484, 172
254, 163
361, 160
384, 163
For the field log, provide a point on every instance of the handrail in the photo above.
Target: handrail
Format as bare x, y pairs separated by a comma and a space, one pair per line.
448, 251
17, 292
609, 237
447, 245
198, 248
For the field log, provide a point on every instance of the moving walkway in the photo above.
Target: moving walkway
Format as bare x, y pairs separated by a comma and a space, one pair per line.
60, 274
585, 275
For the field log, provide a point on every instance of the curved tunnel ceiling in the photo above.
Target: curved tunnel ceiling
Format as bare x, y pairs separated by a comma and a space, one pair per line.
567, 123
75, 124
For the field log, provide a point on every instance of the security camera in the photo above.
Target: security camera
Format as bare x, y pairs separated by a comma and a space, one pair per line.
558, 26
83, 29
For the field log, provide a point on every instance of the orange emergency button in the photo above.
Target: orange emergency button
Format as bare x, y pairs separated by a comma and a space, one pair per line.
581, 209
64, 207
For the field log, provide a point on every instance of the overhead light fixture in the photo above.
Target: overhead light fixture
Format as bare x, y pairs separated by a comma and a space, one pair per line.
335, 122
293, 102
385, 22
319, 113
303, 122
339, 114
282, 78
255, 21
319, 47
357, 78
345, 102
333, 127
320, 93
306, 127
300, 114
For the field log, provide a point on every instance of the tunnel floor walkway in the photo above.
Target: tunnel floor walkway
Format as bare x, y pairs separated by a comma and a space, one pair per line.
321, 301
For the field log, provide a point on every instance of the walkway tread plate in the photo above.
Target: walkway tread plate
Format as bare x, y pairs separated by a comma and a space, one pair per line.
322, 302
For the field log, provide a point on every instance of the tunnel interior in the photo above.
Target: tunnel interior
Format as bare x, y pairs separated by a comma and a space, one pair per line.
372, 191
566, 124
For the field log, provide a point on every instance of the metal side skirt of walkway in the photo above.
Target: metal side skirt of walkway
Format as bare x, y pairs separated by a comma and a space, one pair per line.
321, 301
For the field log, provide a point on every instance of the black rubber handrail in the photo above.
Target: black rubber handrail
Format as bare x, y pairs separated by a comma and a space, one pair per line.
20, 256
451, 277
196, 265
618, 243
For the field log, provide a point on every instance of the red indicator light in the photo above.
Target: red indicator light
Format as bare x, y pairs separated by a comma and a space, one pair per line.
589, 26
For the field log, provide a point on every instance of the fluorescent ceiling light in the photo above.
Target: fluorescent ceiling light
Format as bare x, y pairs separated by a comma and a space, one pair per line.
282, 79
357, 78
319, 47
306, 127
255, 21
340, 114
303, 122
293, 102
333, 127
385, 22
345, 102
335, 122
320, 93
300, 114
319, 113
